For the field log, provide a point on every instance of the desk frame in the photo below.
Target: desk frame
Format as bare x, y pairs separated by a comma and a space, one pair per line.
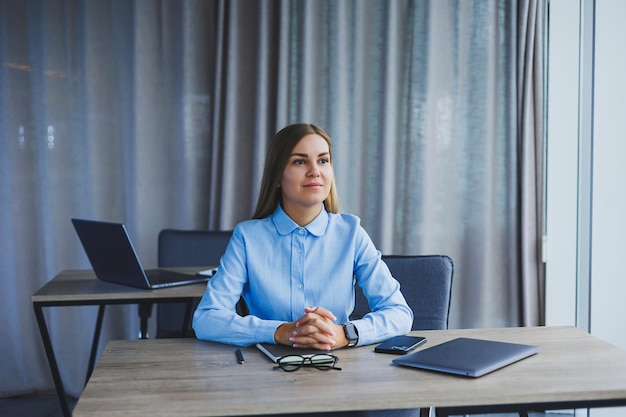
91, 292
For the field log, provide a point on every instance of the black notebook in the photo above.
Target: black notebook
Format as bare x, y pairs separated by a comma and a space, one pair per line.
468, 357
274, 352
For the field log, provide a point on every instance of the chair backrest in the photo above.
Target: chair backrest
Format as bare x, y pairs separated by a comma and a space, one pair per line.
425, 282
180, 248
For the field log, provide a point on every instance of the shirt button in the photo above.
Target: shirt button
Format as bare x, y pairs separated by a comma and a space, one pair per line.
301, 231
299, 286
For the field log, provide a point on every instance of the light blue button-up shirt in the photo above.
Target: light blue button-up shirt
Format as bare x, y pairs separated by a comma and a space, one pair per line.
280, 268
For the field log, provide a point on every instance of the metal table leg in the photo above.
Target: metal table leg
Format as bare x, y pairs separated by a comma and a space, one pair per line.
145, 311
95, 342
187, 318
54, 368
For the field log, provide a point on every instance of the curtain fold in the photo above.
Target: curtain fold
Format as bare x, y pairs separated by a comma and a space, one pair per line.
157, 114
530, 137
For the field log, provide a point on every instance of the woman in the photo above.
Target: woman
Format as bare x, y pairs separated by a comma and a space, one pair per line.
295, 263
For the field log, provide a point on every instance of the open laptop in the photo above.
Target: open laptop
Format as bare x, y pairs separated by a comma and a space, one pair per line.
468, 357
113, 258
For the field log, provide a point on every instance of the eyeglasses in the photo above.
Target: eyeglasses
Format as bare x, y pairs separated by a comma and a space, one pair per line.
321, 361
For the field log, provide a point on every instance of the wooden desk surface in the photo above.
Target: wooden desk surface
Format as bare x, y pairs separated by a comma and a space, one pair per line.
82, 285
185, 377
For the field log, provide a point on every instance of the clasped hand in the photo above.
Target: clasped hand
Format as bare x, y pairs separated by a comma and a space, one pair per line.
315, 329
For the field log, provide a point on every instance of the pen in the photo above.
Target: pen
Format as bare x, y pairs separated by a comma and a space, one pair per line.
239, 356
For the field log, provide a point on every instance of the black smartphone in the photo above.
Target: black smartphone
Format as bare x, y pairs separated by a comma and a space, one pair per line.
400, 345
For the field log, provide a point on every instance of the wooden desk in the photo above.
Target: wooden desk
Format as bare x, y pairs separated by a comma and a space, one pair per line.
82, 288
187, 377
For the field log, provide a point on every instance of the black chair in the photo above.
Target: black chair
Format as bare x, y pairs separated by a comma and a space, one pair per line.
425, 282
181, 248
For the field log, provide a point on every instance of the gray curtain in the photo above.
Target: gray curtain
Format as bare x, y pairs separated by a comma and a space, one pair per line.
157, 114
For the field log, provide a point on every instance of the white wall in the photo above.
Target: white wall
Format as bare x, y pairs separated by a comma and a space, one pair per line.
586, 170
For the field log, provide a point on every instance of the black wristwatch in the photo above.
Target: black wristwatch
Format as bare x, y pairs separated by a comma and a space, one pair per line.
352, 334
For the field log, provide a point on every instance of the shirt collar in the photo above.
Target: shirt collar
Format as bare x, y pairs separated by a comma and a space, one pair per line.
285, 225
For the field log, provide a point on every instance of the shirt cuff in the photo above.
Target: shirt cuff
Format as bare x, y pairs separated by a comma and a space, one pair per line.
266, 330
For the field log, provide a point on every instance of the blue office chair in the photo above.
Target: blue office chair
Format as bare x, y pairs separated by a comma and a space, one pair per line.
181, 248
425, 282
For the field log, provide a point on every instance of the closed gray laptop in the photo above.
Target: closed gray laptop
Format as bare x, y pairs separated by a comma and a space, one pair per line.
113, 258
468, 357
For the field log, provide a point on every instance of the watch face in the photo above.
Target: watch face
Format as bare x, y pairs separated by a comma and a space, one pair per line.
351, 334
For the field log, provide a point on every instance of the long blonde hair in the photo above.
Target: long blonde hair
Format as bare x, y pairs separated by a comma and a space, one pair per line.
278, 153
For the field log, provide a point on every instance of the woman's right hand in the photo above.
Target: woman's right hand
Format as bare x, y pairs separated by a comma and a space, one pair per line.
315, 329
